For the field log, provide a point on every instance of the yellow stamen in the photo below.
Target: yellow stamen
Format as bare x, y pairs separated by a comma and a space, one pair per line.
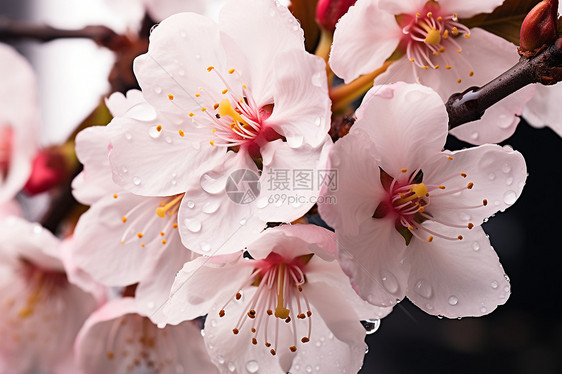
170, 96
182, 134
161, 210
433, 37
280, 311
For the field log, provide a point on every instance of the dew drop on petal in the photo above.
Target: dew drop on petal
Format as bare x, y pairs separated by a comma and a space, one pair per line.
476, 246
252, 367
136, 181
506, 169
220, 359
211, 207
181, 73
317, 79
494, 284
231, 366
192, 225
150, 305
37, 229
483, 310
506, 289
128, 136
509, 181
491, 176
190, 204
423, 288
154, 133
124, 170
509, 197
318, 121
243, 222
211, 183
474, 135
390, 283
158, 90
453, 300
308, 369
371, 325
205, 247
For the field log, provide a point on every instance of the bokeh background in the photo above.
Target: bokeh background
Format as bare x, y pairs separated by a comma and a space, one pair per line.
522, 337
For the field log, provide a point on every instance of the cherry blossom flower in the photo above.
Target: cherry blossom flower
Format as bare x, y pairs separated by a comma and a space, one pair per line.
141, 243
41, 311
408, 214
118, 338
230, 99
18, 121
436, 49
288, 308
544, 109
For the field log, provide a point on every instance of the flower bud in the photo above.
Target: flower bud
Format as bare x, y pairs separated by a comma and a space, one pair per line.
328, 12
49, 169
539, 28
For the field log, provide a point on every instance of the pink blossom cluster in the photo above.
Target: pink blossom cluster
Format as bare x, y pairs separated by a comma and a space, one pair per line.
197, 253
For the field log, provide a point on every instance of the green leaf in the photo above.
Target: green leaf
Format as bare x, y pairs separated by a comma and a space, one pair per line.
505, 21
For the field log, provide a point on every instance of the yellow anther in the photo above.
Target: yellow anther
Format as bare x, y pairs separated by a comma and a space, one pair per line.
419, 190
411, 60
124, 219
280, 310
484, 202
191, 114
433, 37
435, 53
175, 225
425, 67
470, 73
170, 97
463, 175
470, 225
447, 67
210, 68
418, 14
410, 228
231, 71
441, 49
404, 170
460, 237
454, 31
430, 239
182, 134
142, 245
163, 241
115, 196
459, 80
429, 14
140, 235
162, 233
197, 95
436, 67
161, 210
293, 348
215, 106
212, 142
445, 34
244, 86
214, 130
225, 109
203, 109
459, 50
470, 185
467, 36
442, 187
439, 19
224, 91
158, 128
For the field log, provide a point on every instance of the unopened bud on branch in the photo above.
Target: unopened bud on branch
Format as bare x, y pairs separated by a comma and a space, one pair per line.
328, 12
539, 28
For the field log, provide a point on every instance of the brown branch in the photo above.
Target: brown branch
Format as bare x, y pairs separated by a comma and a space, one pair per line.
101, 35
470, 105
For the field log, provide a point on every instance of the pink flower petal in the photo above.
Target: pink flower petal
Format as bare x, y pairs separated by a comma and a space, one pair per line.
544, 109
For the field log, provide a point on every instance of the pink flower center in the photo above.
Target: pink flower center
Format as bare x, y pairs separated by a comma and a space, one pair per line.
408, 202
429, 36
279, 300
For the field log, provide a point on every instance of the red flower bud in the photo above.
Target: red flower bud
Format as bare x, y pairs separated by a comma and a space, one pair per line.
328, 12
49, 168
539, 28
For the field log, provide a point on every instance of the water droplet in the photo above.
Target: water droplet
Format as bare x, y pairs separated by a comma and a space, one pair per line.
491, 176
509, 197
483, 310
429, 306
453, 300
294, 140
220, 359
192, 225
423, 289
506, 168
318, 121
262, 203
494, 284
330, 336
153, 28
158, 90
136, 181
190, 204
211, 183
317, 79
150, 305
506, 289
154, 133
124, 170
476, 246
203, 334
509, 181
318, 343
308, 369
296, 28
252, 366
371, 325
205, 247
474, 135
174, 182
37, 229
231, 366
440, 316
317, 367
390, 283
243, 222
128, 136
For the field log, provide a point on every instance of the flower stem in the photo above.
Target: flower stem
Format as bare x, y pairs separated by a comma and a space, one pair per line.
470, 105
346, 93
102, 35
